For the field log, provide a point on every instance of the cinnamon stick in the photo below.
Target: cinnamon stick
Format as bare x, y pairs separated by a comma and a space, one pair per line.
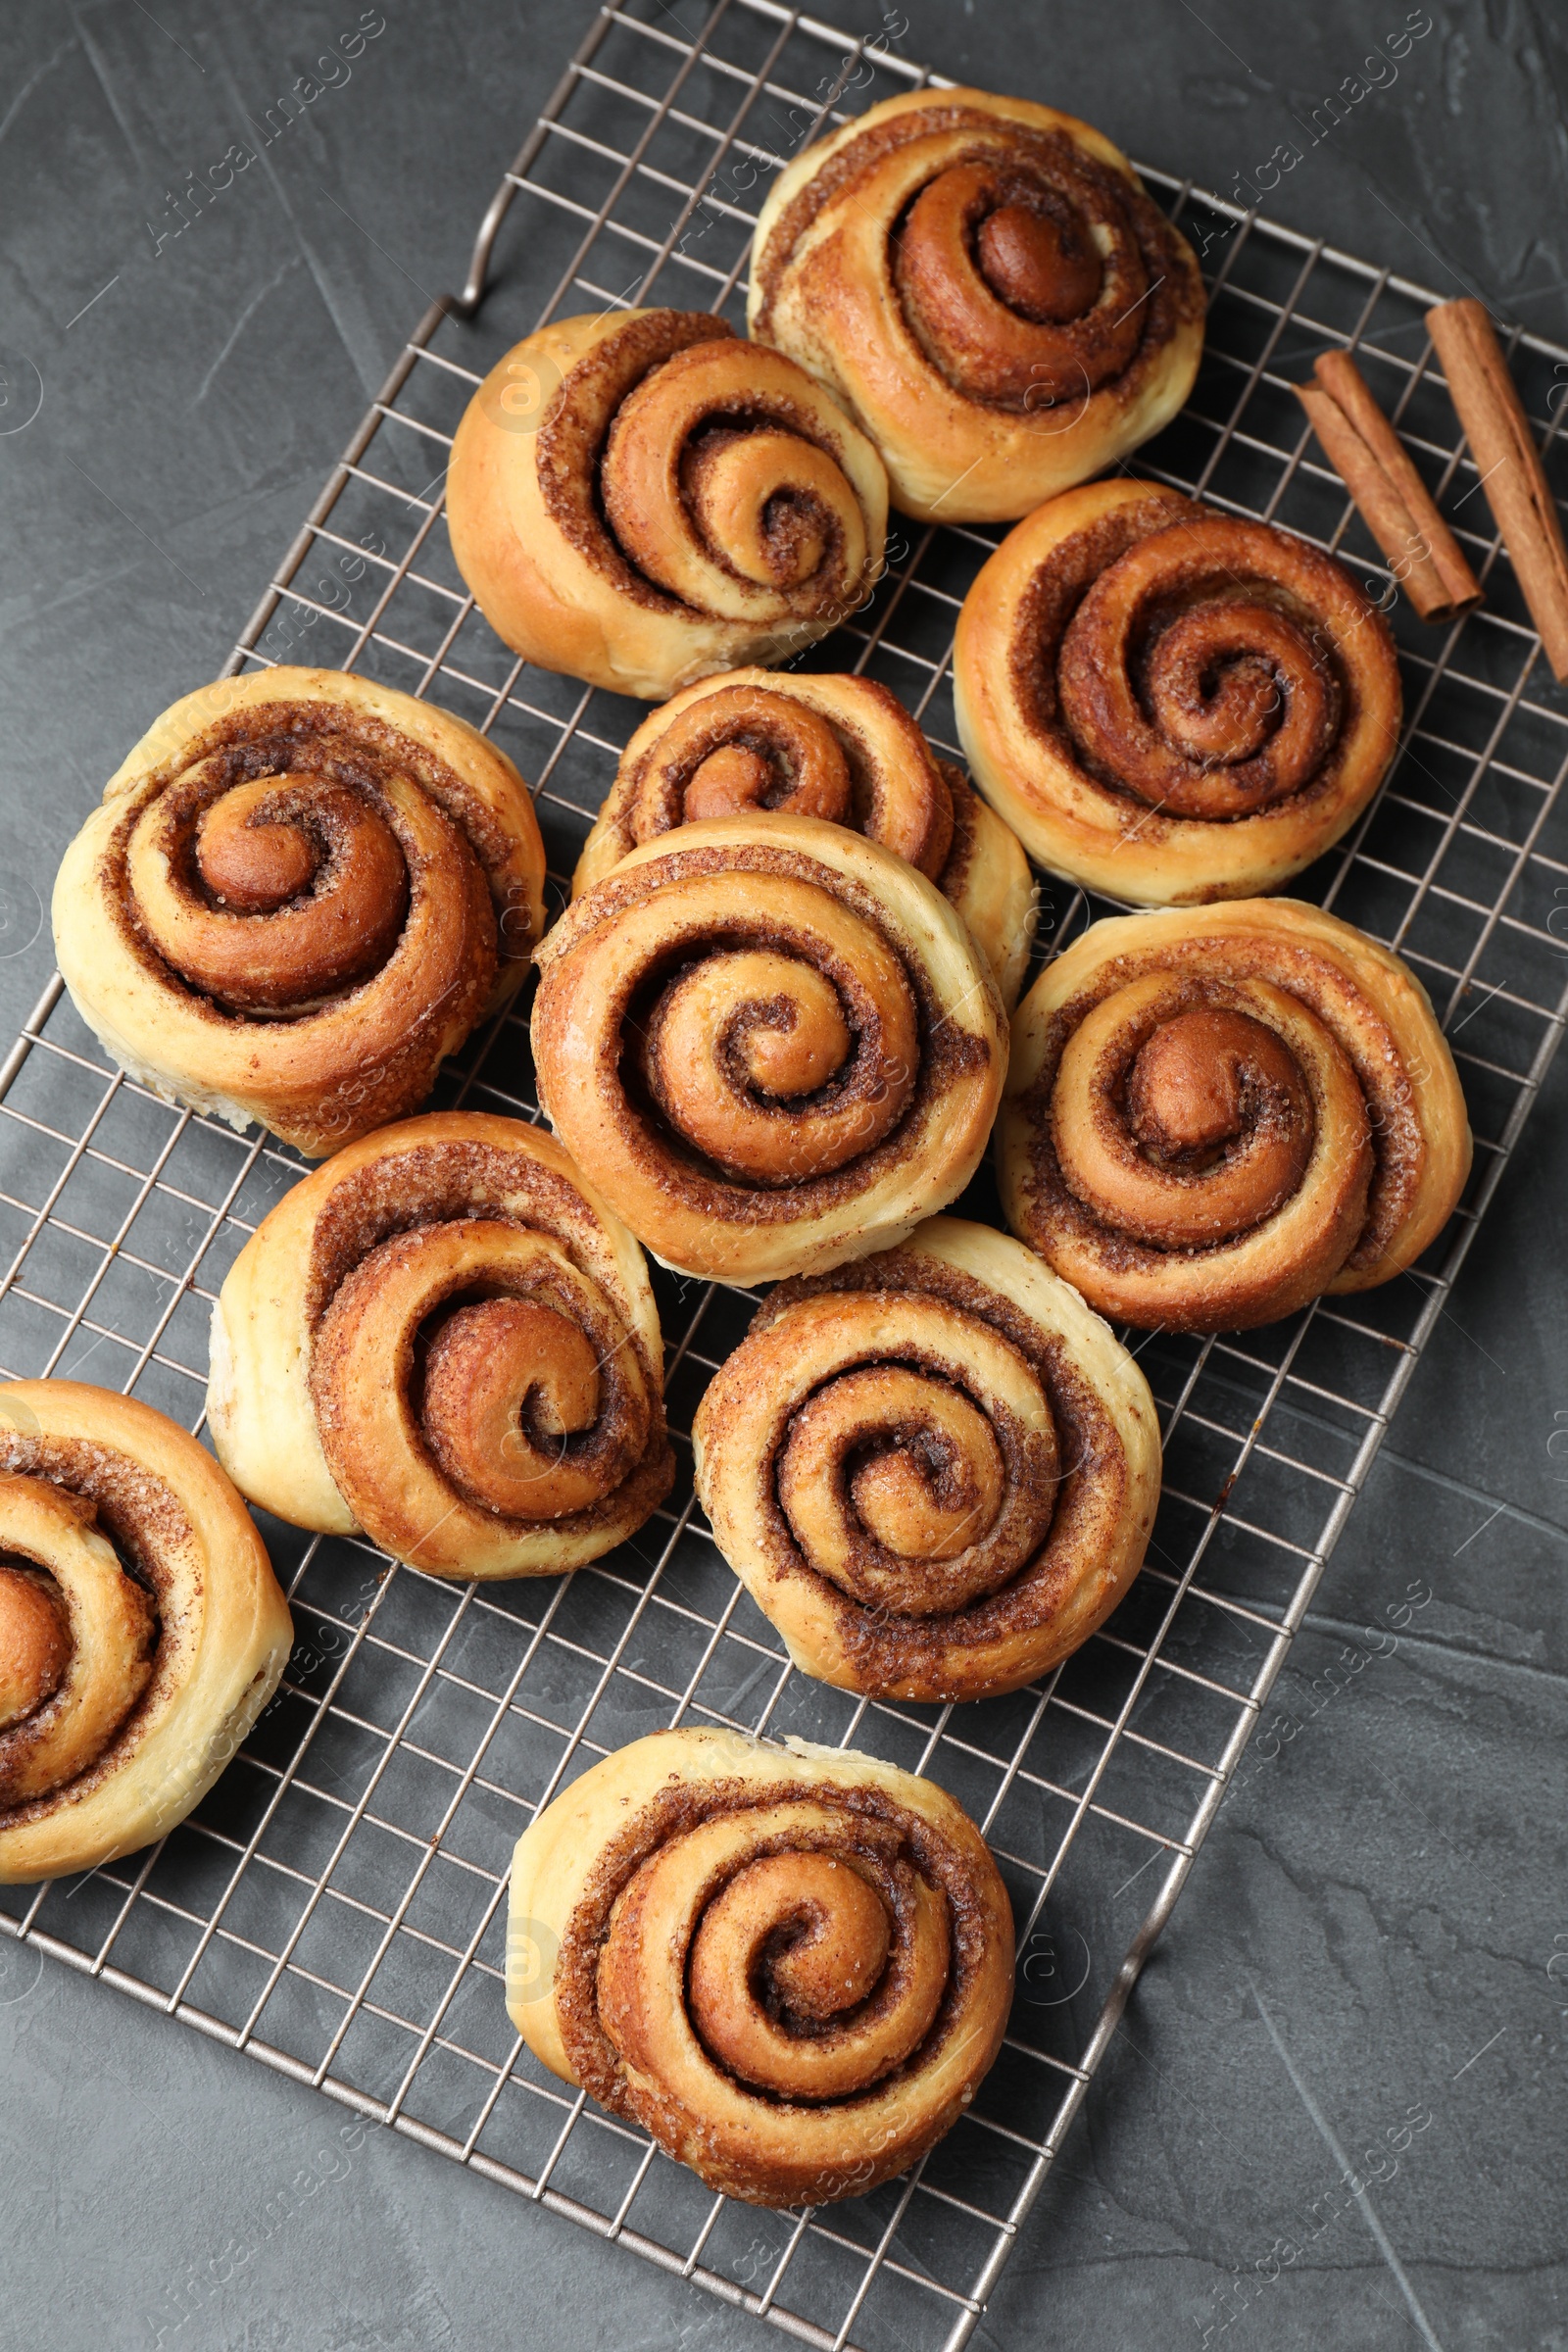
1398, 510
1505, 451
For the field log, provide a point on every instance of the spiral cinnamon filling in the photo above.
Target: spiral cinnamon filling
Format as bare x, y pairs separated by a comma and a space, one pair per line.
248, 853
785, 1988
793, 1970
1028, 270
1186, 1124
1023, 273
754, 1043
1197, 673
507, 1384
443, 1339
937, 1484
793, 1941
1212, 1129
297, 887
722, 481
747, 747
777, 1071
812, 1973
914, 1453
471, 1364
296, 898
1206, 667
989, 290
764, 499
141, 1628
1186, 1114
274, 873
77, 1637
739, 748
907, 1493
787, 1043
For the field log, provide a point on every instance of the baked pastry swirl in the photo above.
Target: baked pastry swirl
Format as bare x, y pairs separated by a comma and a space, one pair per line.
935, 1470
141, 1628
639, 499
1171, 704
769, 1043
793, 1966
843, 748
1214, 1116
298, 892
444, 1338
987, 288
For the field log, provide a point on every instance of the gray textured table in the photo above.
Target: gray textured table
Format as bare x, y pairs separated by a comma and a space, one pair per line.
1369, 1929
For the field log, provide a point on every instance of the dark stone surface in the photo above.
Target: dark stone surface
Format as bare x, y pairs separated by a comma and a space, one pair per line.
1368, 1930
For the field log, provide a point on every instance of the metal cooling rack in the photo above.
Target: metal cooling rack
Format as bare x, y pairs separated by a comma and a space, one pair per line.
336, 1907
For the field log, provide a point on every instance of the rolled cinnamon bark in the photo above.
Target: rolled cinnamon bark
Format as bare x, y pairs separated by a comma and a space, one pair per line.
1394, 502
1511, 472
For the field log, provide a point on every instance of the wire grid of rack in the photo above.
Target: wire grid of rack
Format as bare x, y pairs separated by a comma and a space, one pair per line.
336, 1906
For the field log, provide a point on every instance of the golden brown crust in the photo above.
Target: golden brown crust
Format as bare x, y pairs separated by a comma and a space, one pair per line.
840, 2062
985, 285
1168, 705
445, 1336
177, 1631
772, 1045
300, 891
932, 1584
1154, 1150
756, 741
639, 499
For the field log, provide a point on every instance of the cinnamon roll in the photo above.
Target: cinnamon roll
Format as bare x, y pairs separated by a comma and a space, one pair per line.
1212, 1117
444, 1338
843, 748
1170, 705
141, 1628
639, 499
770, 1043
935, 1470
985, 285
300, 891
793, 1967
